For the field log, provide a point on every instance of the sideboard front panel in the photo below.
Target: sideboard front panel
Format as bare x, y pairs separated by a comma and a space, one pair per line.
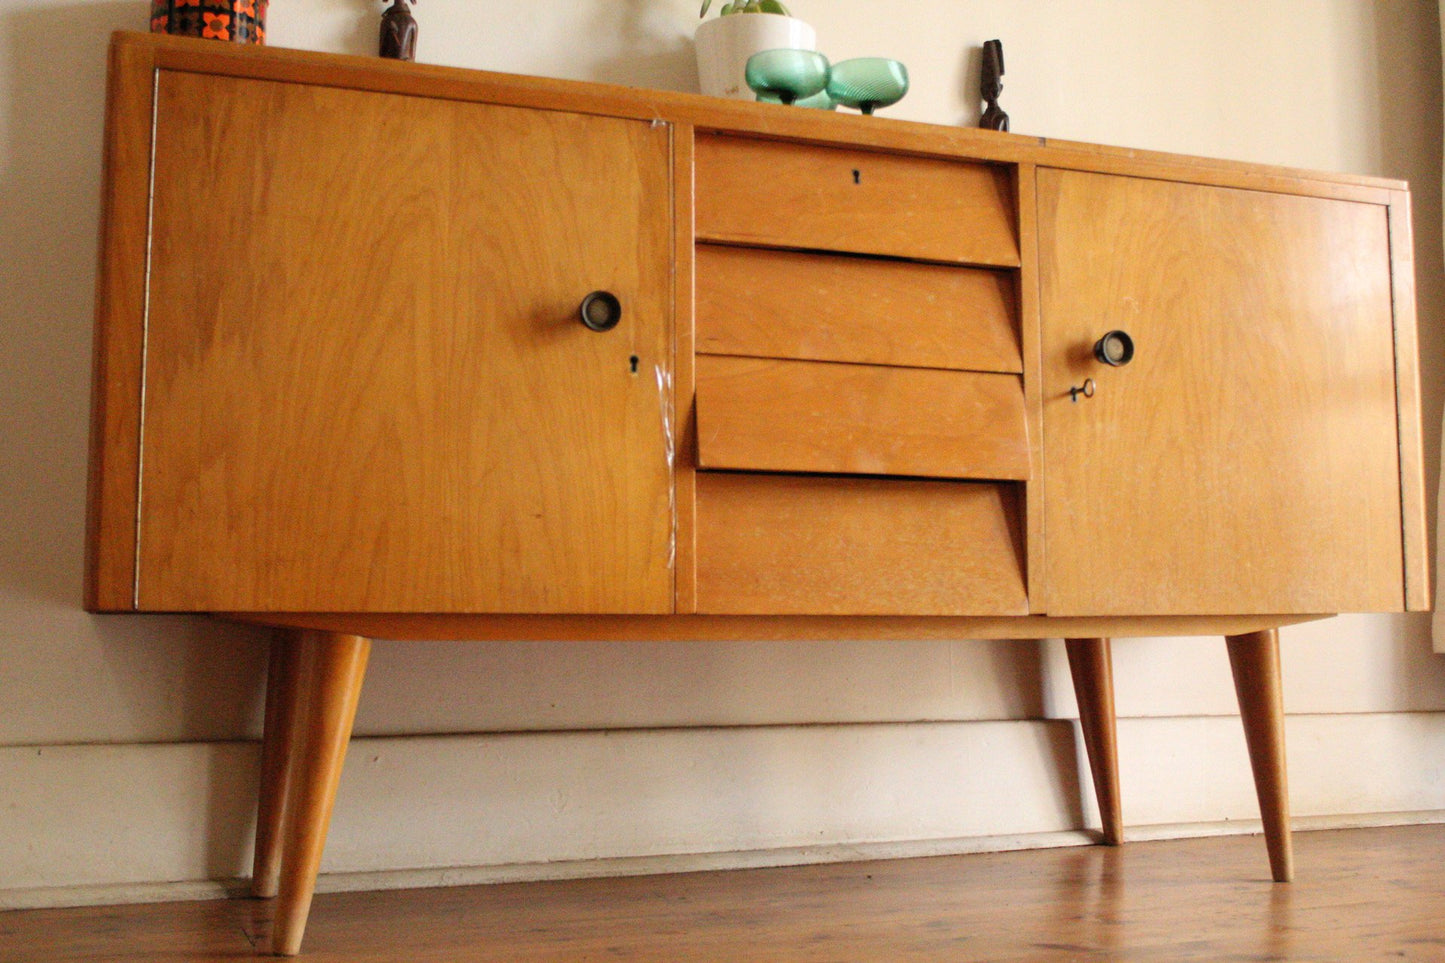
367, 386
1246, 459
812, 197
821, 545
764, 414
340, 366
811, 306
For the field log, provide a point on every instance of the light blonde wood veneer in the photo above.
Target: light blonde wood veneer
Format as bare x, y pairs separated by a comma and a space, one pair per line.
366, 383
1254, 660
120, 297
1247, 459
819, 307
867, 202
768, 415
329, 669
815, 545
1091, 664
280, 759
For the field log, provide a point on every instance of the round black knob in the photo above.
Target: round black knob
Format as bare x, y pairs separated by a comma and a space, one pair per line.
1115, 349
601, 311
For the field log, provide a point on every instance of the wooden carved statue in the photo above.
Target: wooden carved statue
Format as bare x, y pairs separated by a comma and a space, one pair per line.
398, 32
991, 85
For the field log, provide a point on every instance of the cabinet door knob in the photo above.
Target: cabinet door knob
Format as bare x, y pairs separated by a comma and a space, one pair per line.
1115, 349
601, 311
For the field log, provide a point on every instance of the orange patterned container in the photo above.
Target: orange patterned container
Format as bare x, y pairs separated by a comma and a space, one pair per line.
240, 21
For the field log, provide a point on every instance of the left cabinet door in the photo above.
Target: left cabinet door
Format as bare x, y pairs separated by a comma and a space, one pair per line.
366, 383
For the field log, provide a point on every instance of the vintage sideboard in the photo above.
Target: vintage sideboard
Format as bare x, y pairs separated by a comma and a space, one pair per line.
387, 350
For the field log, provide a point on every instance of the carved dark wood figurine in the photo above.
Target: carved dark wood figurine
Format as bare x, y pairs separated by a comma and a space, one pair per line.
991, 85
398, 32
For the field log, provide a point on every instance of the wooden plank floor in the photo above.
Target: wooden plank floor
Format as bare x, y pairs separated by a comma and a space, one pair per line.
1359, 895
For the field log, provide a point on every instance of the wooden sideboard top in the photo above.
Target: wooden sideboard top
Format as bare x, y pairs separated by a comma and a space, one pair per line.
763, 120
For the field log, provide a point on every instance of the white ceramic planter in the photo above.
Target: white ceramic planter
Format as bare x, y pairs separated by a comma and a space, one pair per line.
724, 45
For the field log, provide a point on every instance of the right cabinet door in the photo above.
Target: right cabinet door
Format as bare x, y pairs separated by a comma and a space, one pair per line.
1246, 460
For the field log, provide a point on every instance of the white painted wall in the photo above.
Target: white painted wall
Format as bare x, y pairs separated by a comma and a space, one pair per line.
121, 752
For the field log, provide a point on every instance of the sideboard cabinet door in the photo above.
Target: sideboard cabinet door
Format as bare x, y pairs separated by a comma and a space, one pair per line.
367, 386
1246, 459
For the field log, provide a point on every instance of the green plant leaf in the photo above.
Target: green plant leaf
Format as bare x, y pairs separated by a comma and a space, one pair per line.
746, 6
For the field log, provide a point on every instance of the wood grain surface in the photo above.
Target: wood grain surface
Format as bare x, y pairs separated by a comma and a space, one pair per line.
111, 556
760, 120
120, 307
682, 430
814, 545
1362, 895
1418, 594
768, 415
367, 386
864, 202
1091, 665
1247, 459
1254, 662
1028, 306
430, 626
783, 304
280, 739
329, 672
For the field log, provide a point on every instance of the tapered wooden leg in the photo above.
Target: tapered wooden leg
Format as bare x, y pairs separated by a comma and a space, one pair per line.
1255, 661
1091, 664
284, 705
330, 672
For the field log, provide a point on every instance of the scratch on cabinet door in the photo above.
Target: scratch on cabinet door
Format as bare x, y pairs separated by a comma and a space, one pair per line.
664, 406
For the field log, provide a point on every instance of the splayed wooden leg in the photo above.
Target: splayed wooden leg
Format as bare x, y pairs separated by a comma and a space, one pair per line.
1255, 661
330, 672
1091, 664
284, 706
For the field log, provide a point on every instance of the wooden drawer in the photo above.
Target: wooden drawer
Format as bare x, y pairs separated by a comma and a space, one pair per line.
757, 414
815, 545
835, 199
822, 307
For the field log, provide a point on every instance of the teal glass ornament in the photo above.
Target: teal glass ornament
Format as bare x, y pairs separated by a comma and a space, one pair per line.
867, 83
819, 101
785, 76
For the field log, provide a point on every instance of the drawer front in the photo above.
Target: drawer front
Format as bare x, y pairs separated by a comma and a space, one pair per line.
820, 307
792, 545
802, 416
864, 202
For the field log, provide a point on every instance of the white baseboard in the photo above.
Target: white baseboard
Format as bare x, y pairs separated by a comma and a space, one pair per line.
854, 853
53, 897
131, 818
